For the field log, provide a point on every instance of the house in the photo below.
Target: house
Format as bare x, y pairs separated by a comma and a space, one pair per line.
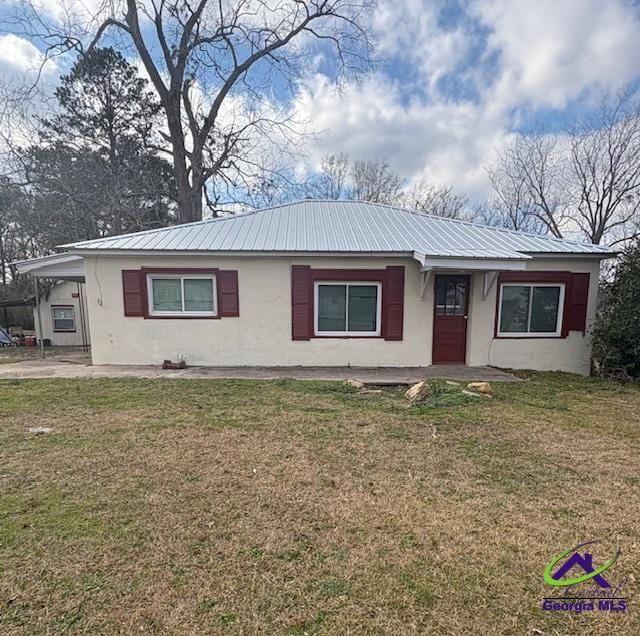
62, 320
335, 283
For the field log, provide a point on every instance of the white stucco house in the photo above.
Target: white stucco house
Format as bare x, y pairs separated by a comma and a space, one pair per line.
335, 283
62, 319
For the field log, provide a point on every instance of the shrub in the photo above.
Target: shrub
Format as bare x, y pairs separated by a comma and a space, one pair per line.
617, 332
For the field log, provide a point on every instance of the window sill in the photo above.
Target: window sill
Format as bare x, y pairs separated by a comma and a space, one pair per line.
348, 336
530, 337
182, 317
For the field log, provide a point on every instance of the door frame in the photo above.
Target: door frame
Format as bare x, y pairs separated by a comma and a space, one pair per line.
466, 315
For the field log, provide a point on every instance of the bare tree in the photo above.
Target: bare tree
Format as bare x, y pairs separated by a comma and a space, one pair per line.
275, 186
512, 205
15, 243
605, 162
331, 181
432, 199
214, 65
586, 181
18, 125
529, 181
365, 180
374, 181
496, 213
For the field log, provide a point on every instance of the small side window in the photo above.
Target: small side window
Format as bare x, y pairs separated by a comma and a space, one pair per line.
64, 318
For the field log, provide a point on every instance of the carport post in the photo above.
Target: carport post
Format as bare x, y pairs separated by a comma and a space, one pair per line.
38, 319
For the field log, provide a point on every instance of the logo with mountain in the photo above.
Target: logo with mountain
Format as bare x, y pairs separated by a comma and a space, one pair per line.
574, 558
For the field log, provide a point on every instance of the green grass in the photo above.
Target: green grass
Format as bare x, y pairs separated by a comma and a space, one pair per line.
287, 507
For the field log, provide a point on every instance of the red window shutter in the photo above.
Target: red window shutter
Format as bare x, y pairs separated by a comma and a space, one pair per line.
133, 291
393, 303
228, 300
301, 302
576, 318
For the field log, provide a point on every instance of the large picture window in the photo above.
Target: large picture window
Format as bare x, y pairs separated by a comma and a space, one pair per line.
193, 295
533, 310
347, 309
64, 318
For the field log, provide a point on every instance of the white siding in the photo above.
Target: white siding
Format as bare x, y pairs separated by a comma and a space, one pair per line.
61, 294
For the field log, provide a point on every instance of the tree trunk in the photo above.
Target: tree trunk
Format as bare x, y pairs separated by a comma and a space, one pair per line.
3, 265
197, 183
187, 189
188, 195
194, 210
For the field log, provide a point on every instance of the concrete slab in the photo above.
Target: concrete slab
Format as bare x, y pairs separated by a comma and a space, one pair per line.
76, 368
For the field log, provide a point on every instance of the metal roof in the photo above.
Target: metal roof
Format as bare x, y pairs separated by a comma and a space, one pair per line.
61, 266
341, 227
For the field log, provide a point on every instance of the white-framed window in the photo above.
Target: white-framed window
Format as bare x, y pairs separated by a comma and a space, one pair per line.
64, 318
347, 309
530, 309
182, 295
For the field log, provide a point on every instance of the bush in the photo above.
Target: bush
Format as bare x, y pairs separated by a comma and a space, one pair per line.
617, 332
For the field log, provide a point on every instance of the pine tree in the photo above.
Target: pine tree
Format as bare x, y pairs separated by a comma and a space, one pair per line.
96, 169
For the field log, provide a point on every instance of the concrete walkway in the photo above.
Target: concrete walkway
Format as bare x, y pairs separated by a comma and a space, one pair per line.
77, 367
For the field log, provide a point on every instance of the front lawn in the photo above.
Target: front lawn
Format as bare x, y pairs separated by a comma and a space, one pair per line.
284, 507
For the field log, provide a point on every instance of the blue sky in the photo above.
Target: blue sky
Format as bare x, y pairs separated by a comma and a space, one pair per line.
460, 77
454, 81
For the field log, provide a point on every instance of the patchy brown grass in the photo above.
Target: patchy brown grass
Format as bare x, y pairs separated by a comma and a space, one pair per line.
215, 507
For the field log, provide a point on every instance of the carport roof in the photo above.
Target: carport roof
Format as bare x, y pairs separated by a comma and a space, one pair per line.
58, 266
350, 227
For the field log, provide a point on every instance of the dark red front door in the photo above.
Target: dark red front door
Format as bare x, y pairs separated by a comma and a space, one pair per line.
450, 319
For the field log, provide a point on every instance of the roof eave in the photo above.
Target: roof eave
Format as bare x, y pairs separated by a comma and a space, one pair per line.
474, 263
240, 253
419, 256
602, 255
64, 266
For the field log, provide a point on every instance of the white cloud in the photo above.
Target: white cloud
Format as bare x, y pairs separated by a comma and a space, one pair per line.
457, 78
446, 142
551, 51
18, 57
514, 56
22, 65
411, 31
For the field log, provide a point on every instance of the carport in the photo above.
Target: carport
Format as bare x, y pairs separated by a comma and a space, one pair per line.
10, 303
56, 267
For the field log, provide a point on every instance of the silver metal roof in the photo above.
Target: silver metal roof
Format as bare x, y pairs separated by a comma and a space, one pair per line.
60, 266
340, 227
